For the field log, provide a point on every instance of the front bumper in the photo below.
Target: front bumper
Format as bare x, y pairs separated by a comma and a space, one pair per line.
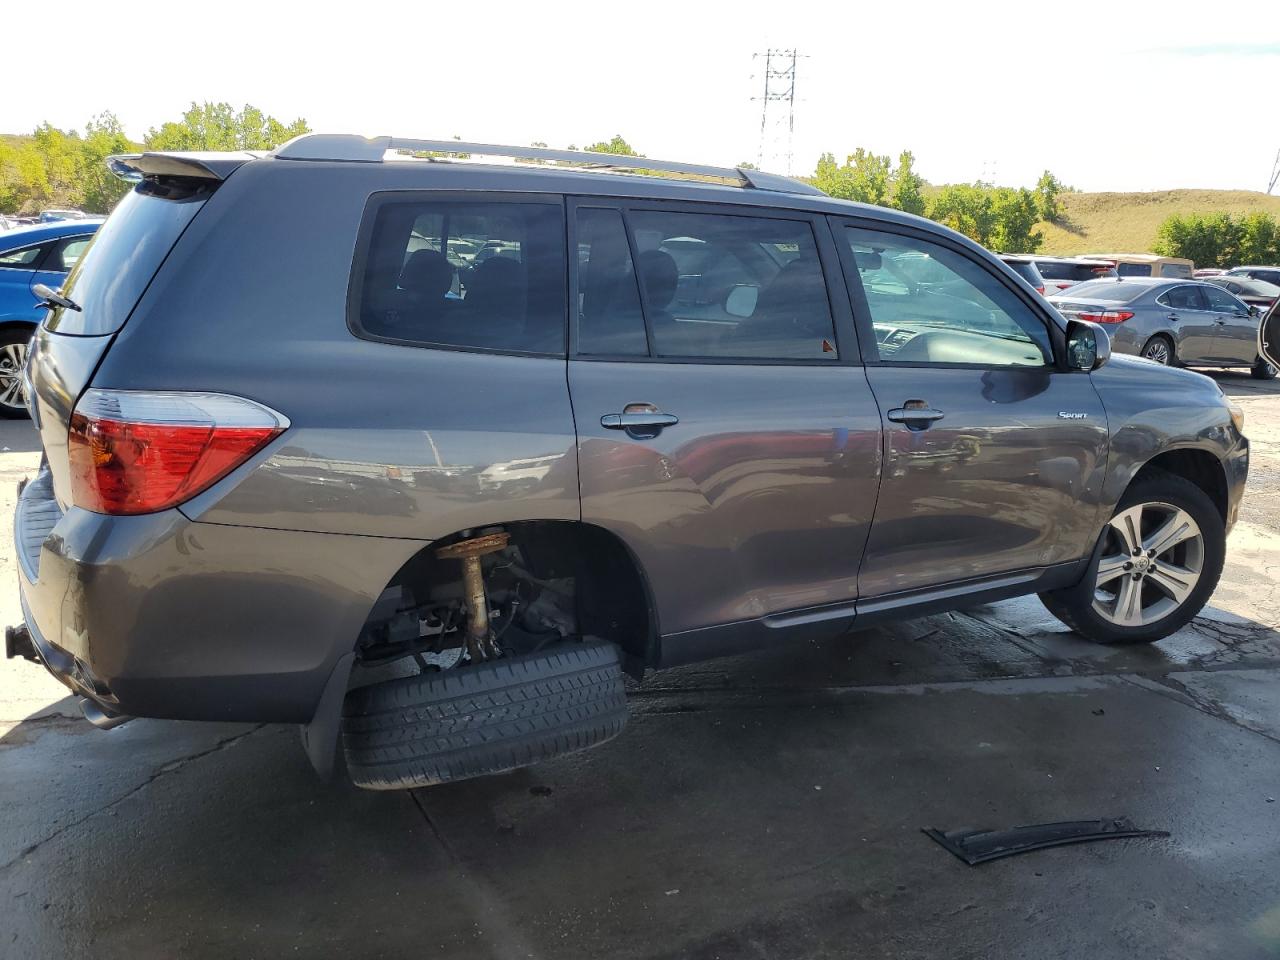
161, 616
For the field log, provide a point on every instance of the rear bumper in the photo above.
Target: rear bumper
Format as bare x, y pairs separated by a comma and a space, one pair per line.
160, 616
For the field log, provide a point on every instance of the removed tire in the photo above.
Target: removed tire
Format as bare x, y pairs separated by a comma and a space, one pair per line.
483, 719
1261, 370
1156, 563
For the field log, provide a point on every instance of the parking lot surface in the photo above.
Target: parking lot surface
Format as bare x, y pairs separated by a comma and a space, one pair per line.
762, 806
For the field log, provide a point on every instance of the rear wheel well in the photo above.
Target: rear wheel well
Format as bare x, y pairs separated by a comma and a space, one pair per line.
1198, 466
598, 587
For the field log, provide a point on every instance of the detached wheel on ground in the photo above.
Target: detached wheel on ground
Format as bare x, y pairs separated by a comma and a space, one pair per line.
1261, 370
1157, 562
484, 718
14, 343
1160, 349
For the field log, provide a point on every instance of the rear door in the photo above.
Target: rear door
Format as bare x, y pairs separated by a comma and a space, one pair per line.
994, 457
726, 433
1236, 339
1193, 324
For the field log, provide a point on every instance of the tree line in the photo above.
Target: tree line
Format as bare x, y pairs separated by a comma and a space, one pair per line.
1220, 239
1002, 218
66, 168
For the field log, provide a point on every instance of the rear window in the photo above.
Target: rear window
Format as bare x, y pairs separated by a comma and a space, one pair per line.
115, 268
1077, 272
1180, 271
1133, 269
1115, 291
465, 274
1027, 271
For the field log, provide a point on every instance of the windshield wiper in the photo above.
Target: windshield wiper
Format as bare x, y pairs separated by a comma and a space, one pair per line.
52, 298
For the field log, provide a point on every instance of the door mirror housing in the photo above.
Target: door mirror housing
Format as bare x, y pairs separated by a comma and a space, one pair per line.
1269, 336
1088, 345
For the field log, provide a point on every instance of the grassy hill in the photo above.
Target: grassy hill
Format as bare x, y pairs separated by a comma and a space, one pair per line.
1127, 222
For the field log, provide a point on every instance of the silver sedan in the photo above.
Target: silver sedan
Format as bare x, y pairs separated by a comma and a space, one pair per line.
1174, 322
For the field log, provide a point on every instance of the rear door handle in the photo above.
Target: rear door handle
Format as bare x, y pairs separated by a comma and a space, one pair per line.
916, 414
1173, 316
638, 421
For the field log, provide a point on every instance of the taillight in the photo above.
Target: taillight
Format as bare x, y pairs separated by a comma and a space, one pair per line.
1040, 290
134, 451
1107, 316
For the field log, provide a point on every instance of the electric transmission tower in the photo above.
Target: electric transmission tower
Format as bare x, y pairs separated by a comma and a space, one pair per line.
1275, 174
777, 108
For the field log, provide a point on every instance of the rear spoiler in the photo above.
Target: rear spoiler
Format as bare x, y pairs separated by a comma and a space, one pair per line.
199, 165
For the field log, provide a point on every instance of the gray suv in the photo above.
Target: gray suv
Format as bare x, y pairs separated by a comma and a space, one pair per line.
423, 455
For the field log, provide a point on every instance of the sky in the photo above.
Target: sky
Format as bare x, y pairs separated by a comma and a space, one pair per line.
1109, 96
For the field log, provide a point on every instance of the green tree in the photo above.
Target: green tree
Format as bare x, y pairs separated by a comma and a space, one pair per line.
217, 126
617, 145
1259, 239
908, 186
864, 177
1046, 195
98, 187
1016, 213
967, 208
1210, 240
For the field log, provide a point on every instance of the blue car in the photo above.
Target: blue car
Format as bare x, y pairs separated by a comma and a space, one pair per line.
43, 253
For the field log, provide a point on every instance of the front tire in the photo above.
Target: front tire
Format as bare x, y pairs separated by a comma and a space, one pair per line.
1154, 568
14, 344
484, 718
1261, 370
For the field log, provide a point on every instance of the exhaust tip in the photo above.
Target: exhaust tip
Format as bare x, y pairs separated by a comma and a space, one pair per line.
100, 717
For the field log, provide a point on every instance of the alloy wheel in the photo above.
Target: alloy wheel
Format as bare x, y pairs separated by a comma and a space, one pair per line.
13, 393
1158, 351
1151, 562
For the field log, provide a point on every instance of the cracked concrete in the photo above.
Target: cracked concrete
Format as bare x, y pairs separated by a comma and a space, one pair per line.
761, 806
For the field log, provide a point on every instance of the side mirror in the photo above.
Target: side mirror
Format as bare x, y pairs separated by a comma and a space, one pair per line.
1269, 336
1255, 310
1088, 345
741, 301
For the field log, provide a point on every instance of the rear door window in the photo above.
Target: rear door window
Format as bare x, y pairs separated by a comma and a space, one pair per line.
468, 274
1185, 298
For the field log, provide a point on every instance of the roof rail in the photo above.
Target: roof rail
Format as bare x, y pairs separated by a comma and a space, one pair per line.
328, 146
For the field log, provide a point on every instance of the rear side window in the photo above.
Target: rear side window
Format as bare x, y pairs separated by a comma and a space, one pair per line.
712, 286
1133, 269
24, 258
1178, 270
116, 267
464, 274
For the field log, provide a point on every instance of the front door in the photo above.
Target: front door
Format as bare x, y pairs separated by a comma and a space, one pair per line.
726, 432
1236, 341
994, 457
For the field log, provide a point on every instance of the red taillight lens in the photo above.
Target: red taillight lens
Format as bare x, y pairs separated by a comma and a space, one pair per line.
139, 452
1040, 290
1108, 316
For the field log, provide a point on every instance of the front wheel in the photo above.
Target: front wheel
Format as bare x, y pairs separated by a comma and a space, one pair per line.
1261, 370
14, 343
1156, 563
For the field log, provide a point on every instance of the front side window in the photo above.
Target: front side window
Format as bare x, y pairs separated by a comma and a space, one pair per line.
1223, 302
465, 274
931, 304
24, 258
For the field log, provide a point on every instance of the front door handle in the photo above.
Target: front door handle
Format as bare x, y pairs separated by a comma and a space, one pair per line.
638, 421
1173, 317
916, 414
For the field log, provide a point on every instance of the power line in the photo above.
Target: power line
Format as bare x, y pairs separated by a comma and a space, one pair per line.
777, 124
1275, 173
